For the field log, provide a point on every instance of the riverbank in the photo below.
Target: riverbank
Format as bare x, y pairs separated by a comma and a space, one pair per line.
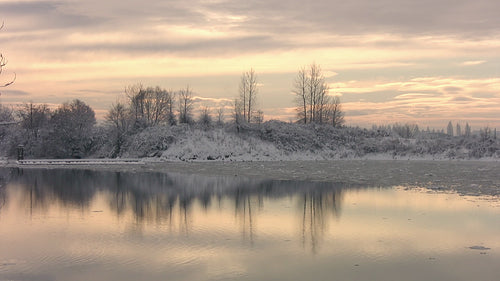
464, 177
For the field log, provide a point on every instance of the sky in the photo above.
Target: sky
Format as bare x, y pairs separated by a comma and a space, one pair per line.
426, 62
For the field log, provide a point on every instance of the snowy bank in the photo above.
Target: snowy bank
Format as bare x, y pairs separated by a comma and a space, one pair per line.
279, 141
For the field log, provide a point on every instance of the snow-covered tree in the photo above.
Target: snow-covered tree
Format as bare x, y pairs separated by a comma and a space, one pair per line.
220, 116
6, 118
459, 130
119, 117
71, 130
406, 130
258, 117
205, 119
34, 118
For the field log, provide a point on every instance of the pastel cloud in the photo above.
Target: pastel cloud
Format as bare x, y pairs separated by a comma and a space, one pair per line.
428, 100
397, 58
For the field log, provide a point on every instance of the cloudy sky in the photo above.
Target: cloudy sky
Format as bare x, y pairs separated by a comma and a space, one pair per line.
427, 61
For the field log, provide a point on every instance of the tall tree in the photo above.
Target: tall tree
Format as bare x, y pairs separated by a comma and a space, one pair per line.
301, 92
449, 129
467, 132
186, 103
334, 113
34, 119
135, 94
458, 130
7, 118
220, 116
237, 113
314, 104
119, 118
150, 106
248, 94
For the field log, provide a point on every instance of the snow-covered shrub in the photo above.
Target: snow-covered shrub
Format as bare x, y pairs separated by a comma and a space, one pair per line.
218, 144
276, 140
151, 141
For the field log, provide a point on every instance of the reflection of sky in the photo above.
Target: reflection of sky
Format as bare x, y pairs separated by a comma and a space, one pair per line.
378, 234
92, 50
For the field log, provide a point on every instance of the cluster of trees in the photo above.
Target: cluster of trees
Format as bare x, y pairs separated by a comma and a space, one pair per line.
314, 103
67, 131
409, 130
146, 107
245, 109
467, 130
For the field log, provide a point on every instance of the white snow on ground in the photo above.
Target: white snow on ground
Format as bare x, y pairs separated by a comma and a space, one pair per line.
279, 141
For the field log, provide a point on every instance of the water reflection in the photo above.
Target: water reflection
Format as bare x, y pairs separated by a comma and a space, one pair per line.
168, 199
84, 225
4, 177
317, 207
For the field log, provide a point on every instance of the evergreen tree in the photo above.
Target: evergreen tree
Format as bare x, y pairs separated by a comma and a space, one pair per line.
449, 129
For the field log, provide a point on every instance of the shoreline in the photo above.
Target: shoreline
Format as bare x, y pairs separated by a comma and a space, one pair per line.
466, 177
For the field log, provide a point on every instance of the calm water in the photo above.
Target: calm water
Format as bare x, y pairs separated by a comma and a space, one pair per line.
83, 225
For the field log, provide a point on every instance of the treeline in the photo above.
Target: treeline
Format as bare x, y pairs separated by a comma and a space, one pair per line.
67, 131
147, 124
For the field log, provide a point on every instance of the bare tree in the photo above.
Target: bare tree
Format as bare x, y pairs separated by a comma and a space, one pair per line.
334, 113
186, 103
135, 94
6, 114
205, 118
314, 104
237, 114
406, 130
171, 120
301, 92
150, 106
258, 117
248, 94
220, 116
119, 117
3, 62
34, 118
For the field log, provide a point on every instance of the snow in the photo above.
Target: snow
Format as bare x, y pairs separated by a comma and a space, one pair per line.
279, 141
117, 161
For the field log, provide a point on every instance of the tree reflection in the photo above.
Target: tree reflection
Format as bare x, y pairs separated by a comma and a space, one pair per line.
243, 214
168, 200
317, 209
4, 176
